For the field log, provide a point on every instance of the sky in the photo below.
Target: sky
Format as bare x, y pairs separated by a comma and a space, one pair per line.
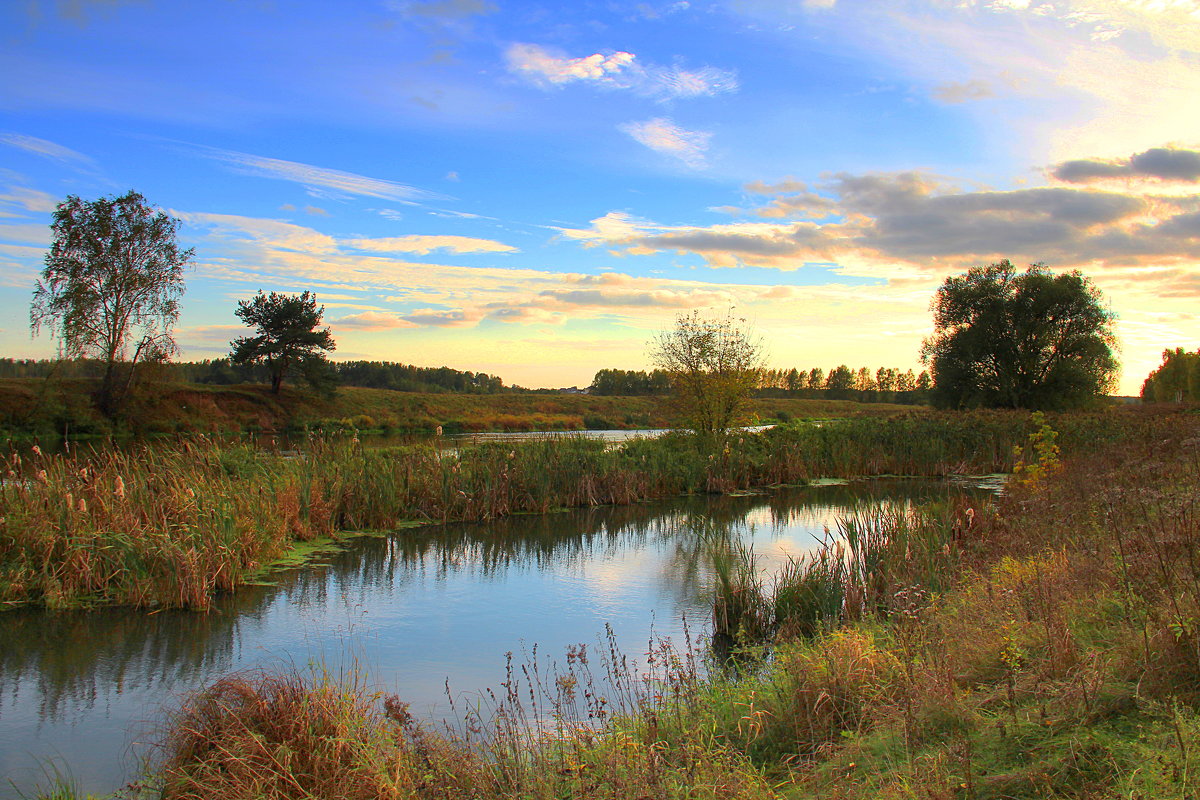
537, 189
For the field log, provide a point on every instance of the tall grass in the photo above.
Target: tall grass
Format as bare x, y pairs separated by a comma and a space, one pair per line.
1046, 648
586, 727
170, 524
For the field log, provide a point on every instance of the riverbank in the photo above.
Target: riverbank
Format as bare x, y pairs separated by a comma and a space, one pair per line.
1050, 651
30, 407
171, 524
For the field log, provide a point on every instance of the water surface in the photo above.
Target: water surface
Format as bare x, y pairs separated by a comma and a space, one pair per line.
416, 610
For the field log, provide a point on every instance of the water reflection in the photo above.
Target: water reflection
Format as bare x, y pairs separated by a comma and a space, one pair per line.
414, 609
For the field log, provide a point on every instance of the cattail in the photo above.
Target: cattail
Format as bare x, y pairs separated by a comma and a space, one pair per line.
70, 500
82, 506
119, 491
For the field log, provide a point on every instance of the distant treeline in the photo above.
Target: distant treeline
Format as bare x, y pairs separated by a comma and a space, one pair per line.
371, 374
1176, 380
841, 383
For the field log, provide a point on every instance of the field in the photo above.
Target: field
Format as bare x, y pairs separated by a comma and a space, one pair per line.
31, 406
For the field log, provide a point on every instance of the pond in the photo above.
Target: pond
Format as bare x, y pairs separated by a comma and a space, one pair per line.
417, 611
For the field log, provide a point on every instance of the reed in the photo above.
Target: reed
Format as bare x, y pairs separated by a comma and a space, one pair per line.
173, 523
585, 726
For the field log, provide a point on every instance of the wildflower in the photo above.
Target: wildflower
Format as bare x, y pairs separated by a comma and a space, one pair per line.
41, 476
37, 451
439, 430
119, 491
82, 506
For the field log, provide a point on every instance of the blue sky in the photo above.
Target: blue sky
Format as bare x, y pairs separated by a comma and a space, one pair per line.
535, 189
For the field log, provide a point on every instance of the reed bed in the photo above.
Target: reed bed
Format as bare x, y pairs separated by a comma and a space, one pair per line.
172, 524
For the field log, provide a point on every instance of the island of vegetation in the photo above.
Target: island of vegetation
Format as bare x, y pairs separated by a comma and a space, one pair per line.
1043, 645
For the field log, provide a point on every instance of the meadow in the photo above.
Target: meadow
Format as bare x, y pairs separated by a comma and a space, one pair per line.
32, 407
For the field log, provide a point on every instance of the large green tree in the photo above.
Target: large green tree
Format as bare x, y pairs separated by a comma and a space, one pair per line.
1177, 379
287, 339
111, 286
1034, 340
713, 364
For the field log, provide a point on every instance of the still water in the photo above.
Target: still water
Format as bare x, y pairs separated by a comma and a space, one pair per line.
417, 611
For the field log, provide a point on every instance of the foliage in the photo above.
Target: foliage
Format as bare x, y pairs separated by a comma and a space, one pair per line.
1039, 457
286, 338
630, 383
714, 364
1032, 340
1177, 379
112, 283
884, 385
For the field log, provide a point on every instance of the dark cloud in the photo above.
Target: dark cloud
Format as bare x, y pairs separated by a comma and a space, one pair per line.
909, 220
441, 319
1185, 226
702, 241
625, 299
1168, 164
1084, 170
1164, 163
955, 93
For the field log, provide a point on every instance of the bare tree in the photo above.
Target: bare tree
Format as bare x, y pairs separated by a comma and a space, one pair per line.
714, 363
111, 286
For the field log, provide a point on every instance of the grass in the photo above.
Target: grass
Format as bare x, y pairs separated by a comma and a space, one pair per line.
37, 407
172, 524
1045, 647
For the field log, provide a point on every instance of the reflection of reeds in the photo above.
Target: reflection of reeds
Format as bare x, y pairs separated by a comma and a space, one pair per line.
885, 559
740, 612
810, 593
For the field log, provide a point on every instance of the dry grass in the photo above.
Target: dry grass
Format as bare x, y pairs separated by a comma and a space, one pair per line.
171, 524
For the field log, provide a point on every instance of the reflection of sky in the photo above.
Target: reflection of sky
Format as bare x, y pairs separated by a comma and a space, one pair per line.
414, 612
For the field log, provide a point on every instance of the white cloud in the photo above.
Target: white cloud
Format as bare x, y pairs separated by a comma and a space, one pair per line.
27, 199
271, 232
423, 245
319, 181
44, 148
373, 321
618, 70
541, 65
664, 136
